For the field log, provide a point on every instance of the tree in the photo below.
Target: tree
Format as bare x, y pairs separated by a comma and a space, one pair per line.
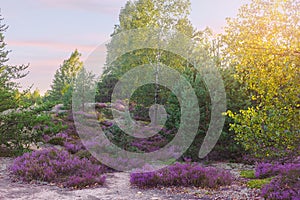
83, 89
164, 15
62, 86
263, 45
18, 127
170, 17
8, 75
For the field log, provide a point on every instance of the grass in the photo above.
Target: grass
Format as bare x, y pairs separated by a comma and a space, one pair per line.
248, 174
258, 183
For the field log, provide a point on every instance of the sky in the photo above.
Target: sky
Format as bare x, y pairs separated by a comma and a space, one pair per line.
44, 33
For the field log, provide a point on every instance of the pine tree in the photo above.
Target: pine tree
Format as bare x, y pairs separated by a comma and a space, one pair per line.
64, 78
8, 75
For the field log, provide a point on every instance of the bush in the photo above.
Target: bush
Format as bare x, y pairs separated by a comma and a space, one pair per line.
264, 170
60, 167
20, 129
74, 146
284, 187
186, 174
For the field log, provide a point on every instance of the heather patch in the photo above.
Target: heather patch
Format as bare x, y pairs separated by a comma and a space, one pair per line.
271, 169
186, 174
285, 185
59, 167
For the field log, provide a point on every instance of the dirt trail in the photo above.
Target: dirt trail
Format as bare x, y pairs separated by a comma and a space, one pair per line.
117, 187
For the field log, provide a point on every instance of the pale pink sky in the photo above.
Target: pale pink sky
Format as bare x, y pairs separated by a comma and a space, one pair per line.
45, 32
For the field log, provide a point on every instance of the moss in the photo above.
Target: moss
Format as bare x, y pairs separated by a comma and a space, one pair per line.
258, 183
248, 174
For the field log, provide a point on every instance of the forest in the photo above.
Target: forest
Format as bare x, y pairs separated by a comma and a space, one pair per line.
177, 107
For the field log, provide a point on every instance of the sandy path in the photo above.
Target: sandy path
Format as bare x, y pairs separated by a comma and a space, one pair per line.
117, 187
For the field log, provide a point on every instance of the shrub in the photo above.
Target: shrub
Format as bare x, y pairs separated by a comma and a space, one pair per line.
54, 126
272, 169
60, 167
179, 174
20, 129
284, 187
74, 146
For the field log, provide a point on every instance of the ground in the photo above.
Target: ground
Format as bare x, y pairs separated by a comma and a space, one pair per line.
117, 187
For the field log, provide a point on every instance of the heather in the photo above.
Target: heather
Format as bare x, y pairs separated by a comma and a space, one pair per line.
271, 169
245, 87
182, 174
285, 186
284, 180
59, 167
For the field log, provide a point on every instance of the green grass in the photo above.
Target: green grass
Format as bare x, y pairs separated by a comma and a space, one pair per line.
248, 174
258, 183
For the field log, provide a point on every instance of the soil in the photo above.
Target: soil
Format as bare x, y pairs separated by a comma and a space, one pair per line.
117, 187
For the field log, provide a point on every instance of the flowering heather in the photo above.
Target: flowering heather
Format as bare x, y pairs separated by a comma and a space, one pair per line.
264, 170
60, 167
284, 187
286, 184
107, 123
74, 146
63, 135
149, 144
187, 174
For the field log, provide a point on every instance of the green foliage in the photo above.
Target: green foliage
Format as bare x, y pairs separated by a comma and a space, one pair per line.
63, 82
258, 183
20, 129
53, 127
31, 98
262, 45
57, 141
166, 16
105, 88
45, 106
84, 87
248, 174
9, 95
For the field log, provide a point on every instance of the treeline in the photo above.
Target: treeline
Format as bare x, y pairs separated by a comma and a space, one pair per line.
258, 58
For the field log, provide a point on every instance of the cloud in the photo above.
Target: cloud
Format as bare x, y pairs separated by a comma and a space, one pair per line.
59, 46
43, 67
102, 6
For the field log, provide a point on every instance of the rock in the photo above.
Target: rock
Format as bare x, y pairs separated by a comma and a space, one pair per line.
62, 111
57, 108
101, 105
119, 107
